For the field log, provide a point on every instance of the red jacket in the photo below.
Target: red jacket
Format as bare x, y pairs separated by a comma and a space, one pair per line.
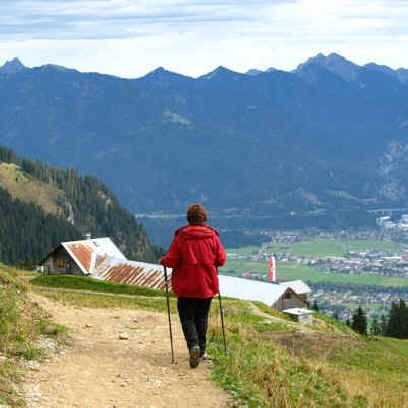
194, 255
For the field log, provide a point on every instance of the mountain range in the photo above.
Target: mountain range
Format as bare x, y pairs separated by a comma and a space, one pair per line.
329, 135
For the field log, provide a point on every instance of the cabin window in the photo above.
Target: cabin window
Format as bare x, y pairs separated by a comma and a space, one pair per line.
60, 262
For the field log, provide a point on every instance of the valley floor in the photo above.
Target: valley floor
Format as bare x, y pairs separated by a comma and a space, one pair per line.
98, 369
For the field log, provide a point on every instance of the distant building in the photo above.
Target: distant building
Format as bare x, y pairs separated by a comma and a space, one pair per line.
272, 294
101, 259
300, 314
79, 257
299, 287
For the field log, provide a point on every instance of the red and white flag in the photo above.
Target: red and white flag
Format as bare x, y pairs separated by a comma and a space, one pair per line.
272, 269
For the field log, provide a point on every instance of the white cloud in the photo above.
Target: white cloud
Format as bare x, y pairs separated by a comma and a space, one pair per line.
130, 37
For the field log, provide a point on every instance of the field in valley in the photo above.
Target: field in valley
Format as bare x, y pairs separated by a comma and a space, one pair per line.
341, 289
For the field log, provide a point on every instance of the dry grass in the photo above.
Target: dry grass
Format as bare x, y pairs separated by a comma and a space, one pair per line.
21, 186
22, 322
269, 365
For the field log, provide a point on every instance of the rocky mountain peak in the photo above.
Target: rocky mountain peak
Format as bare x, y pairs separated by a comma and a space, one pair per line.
334, 63
162, 75
222, 73
10, 67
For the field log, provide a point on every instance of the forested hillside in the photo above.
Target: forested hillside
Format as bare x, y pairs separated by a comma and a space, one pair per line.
42, 206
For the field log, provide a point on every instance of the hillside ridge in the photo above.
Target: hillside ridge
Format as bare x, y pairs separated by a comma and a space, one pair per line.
43, 206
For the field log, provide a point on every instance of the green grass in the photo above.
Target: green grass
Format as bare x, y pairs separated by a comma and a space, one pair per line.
22, 186
85, 283
22, 322
377, 367
251, 250
310, 273
100, 301
260, 373
336, 247
324, 247
341, 326
327, 366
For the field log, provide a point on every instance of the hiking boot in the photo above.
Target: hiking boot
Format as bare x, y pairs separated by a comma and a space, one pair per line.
194, 356
204, 357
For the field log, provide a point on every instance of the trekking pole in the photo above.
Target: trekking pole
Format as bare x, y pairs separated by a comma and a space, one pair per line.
168, 311
222, 321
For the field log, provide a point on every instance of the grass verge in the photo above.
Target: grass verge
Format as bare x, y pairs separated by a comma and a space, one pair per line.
86, 283
22, 323
277, 363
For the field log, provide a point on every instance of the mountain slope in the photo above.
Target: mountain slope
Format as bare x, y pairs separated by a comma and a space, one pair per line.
42, 206
262, 144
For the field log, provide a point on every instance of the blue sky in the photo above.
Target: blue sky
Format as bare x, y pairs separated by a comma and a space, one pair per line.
132, 37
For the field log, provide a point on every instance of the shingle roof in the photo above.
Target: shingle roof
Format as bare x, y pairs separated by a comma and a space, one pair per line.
131, 272
249, 289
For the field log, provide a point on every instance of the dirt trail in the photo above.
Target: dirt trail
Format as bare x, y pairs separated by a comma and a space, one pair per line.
100, 370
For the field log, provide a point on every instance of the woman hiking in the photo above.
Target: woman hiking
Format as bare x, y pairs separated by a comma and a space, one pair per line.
194, 254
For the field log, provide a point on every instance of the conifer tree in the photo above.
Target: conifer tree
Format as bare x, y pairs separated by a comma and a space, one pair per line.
394, 321
359, 321
375, 328
383, 325
398, 321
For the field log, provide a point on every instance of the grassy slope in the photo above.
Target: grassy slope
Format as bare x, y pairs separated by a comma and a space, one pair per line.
20, 185
85, 283
273, 364
21, 324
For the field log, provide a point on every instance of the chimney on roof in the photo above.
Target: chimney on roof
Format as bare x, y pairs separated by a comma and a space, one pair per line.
88, 235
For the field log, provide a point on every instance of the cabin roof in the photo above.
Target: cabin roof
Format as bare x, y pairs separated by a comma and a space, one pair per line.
84, 252
250, 289
298, 286
131, 272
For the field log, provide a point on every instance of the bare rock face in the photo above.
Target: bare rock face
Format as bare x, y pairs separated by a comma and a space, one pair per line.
392, 172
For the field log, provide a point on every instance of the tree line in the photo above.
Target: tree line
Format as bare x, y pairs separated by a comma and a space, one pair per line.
393, 325
87, 205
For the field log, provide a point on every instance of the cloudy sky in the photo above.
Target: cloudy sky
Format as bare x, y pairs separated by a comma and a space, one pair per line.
132, 37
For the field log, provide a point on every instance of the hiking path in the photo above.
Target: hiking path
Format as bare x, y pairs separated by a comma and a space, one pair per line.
98, 369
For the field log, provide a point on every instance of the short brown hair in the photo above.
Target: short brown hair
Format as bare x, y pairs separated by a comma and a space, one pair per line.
196, 214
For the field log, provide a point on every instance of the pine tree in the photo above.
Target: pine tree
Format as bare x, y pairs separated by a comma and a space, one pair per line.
375, 328
394, 321
404, 319
398, 321
315, 306
383, 325
359, 321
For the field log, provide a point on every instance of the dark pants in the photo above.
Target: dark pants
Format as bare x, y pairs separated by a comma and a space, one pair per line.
193, 314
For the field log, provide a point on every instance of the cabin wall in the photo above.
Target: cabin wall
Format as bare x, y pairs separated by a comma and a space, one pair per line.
289, 302
60, 262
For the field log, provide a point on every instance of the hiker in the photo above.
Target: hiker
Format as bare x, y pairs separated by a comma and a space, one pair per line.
194, 255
